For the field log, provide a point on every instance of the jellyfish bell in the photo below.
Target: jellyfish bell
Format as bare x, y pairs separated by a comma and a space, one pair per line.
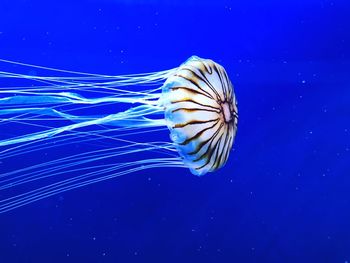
195, 101
201, 114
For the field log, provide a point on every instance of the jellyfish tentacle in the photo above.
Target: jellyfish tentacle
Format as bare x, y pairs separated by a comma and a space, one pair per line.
73, 183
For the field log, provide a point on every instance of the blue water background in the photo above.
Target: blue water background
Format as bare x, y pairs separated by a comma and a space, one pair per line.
283, 195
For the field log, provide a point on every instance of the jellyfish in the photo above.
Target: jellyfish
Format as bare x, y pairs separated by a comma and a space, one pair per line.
112, 115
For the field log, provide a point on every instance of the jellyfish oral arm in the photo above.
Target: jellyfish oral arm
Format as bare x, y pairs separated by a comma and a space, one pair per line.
58, 100
132, 117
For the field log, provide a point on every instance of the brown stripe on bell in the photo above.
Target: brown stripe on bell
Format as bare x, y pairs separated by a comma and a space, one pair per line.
201, 110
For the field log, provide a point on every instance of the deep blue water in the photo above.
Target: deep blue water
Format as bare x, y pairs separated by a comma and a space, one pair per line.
283, 195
